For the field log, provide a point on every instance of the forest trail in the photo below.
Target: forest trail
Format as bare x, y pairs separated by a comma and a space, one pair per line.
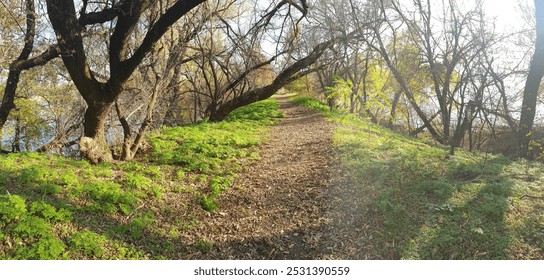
291, 203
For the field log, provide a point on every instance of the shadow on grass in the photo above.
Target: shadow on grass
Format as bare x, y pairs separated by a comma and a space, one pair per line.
412, 203
459, 214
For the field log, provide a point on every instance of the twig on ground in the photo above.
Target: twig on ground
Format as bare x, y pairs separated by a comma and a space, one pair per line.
530, 196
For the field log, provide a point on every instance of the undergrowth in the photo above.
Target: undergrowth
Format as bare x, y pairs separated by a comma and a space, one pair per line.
424, 204
58, 208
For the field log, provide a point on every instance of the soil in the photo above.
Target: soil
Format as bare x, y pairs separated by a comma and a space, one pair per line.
293, 203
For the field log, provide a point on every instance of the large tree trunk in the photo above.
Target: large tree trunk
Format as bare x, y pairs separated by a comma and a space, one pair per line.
94, 146
536, 72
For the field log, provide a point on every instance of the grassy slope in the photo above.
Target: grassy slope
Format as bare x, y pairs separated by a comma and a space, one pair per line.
57, 208
424, 206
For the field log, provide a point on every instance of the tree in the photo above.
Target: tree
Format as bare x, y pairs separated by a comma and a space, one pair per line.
288, 75
124, 55
8, 99
48, 113
532, 84
156, 79
447, 41
233, 67
126, 52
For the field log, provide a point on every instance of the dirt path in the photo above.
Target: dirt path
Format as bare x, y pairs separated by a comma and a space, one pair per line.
287, 207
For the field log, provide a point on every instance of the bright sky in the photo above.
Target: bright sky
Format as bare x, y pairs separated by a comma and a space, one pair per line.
507, 12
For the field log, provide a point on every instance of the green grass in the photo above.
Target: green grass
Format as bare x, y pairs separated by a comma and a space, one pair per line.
311, 103
208, 147
425, 205
57, 208
420, 204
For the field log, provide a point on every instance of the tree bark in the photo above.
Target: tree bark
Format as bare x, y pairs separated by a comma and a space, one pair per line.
394, 104
8, 100
532, 85
130, 146
94, 146
16, 144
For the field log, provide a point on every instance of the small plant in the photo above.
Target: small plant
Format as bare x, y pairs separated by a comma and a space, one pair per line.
142, 186
69, 179
108, 195
154, 172
180, 174
49, 212
218, 185
187, 224
203, 245
31, 226
138, 181
264, 112
207, 203
88, 243
46, 248
311, 103
49, 188
31, 236
132, 166
35, 175
136, 227
12, 208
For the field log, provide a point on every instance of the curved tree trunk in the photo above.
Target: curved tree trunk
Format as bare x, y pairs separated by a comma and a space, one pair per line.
290, 74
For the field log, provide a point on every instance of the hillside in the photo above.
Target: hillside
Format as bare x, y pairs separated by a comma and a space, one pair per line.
402, 198
311, 185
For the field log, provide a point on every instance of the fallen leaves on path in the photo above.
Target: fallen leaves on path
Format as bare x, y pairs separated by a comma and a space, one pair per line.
290, 204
